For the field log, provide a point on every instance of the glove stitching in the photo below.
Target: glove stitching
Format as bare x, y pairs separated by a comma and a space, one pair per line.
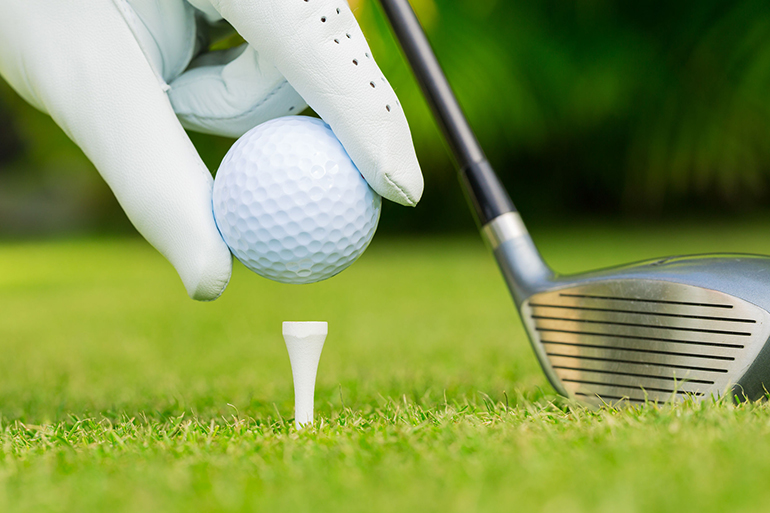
242, 115
190, 35
133, 21
138, 26
393, 184
31, 94
220, 292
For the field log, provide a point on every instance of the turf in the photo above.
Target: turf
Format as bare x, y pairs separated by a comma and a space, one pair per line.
117, 393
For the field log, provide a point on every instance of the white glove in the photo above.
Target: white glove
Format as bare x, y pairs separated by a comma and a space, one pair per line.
112, 73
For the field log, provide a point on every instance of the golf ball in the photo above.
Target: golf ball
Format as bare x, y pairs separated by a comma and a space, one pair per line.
290, 203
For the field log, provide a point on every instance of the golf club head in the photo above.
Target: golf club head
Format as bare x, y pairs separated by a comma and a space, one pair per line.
662, 330
655, 331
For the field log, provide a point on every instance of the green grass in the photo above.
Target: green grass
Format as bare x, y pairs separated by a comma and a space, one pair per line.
117, 393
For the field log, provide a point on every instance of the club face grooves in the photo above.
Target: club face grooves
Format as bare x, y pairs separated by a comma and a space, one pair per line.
659, 301
642, 340
618, 373
664, 314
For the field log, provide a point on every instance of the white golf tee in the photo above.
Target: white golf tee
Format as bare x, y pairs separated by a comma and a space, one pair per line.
305, 341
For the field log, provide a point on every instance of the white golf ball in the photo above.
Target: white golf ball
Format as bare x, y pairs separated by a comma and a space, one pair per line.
290, 203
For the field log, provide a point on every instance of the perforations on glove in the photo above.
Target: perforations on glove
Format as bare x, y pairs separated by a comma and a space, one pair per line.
314, 46
368, 68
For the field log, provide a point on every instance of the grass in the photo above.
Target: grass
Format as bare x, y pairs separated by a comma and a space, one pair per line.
118, 393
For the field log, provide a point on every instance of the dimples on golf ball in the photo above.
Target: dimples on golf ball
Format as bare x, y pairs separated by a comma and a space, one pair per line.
291, 204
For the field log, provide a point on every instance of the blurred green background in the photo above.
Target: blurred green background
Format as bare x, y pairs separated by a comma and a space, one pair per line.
596, 114
585, 107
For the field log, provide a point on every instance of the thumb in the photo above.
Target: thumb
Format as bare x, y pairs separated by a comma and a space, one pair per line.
230, 92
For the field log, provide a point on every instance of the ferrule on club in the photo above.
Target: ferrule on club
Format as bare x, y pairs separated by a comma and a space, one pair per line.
304, 341
524, 269
503, 228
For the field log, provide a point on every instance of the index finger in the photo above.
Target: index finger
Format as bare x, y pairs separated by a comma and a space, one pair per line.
320, 49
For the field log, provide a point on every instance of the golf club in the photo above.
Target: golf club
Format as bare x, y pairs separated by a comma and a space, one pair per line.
691, 326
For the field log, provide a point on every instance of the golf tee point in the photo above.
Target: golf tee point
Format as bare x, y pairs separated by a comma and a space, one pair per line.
304, 341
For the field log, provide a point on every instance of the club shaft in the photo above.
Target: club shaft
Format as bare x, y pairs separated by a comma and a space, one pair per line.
489, 198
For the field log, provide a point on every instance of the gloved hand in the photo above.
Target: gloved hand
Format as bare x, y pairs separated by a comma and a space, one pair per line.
114, 75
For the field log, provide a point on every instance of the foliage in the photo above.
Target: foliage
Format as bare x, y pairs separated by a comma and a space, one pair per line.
621, 103
583, 106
